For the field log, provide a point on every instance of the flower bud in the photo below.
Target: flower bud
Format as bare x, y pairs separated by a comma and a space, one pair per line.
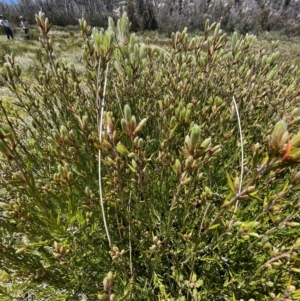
177, 167
296, 178
127, 114
206, 143
291, 288
124, 125
112, 297
295, 141
278, 136
133, 122
4, 205
140, 125
250, 189
236, 184
294, 155
187, 142
155, 239
189, 162
108, 281
195, 135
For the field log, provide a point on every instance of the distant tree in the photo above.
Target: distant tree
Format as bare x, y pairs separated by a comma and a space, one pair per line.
132, 15
130, 10
146, 15
149, 18
180, 7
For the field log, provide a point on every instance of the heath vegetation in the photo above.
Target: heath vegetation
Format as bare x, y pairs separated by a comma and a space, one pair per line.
151, 172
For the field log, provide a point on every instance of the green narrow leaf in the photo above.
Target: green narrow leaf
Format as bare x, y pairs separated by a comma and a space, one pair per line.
229, 181
296, 295
214, 226
58, 219
253, 234
252, 195
286, 185
289, 281
131, 168
295, 270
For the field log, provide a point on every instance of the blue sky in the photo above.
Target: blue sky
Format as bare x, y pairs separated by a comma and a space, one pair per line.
9, 1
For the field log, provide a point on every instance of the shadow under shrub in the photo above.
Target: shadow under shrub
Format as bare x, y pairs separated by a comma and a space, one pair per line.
194, 149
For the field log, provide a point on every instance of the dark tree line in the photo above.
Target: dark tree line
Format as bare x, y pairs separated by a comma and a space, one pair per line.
163, 15
143, 14
62, 12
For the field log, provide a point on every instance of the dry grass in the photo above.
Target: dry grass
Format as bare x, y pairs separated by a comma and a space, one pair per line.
68, 44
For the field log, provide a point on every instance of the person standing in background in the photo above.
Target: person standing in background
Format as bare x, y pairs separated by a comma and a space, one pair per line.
6, 26
25, 26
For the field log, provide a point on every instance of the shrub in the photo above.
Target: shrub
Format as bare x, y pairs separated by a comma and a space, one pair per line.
158, 174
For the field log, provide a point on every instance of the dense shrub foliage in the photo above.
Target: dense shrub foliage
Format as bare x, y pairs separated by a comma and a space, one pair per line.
158, 174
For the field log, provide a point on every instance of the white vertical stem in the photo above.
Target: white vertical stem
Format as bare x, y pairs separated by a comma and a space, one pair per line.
242, 150
99, 156
130, 247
